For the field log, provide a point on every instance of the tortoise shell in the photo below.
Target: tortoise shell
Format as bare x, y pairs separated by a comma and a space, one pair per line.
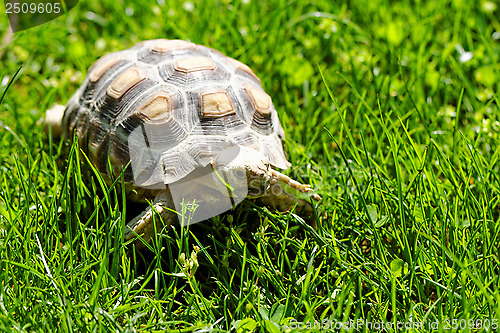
168, 107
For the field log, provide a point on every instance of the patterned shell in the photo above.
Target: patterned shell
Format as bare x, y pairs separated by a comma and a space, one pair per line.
168, 107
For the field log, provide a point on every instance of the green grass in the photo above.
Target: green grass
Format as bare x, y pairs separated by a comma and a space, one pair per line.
398, 136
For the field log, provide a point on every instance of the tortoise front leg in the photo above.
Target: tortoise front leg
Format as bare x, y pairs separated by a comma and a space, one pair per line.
143, 225
284, 193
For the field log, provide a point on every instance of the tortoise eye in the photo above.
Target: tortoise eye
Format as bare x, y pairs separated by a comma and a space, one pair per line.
240, 174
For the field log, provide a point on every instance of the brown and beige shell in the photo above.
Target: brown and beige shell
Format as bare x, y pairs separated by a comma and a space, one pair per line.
184, 102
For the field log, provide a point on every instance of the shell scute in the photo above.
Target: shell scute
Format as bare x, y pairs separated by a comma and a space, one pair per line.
124, 82
215, 105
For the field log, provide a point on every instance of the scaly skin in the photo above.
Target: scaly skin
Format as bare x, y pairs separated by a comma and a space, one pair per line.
285, 193
143, 226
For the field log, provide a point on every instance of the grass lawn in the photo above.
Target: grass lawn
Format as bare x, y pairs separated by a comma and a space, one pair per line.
391, 111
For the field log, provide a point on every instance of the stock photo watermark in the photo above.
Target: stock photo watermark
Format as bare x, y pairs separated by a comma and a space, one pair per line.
359, 324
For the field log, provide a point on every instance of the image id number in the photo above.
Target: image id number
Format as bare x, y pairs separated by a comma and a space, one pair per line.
470, 324
24, 7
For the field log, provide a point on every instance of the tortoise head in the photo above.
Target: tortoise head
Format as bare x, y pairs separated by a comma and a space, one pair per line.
244, 170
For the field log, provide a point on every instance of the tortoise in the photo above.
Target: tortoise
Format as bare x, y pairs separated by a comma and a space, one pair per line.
187, 126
